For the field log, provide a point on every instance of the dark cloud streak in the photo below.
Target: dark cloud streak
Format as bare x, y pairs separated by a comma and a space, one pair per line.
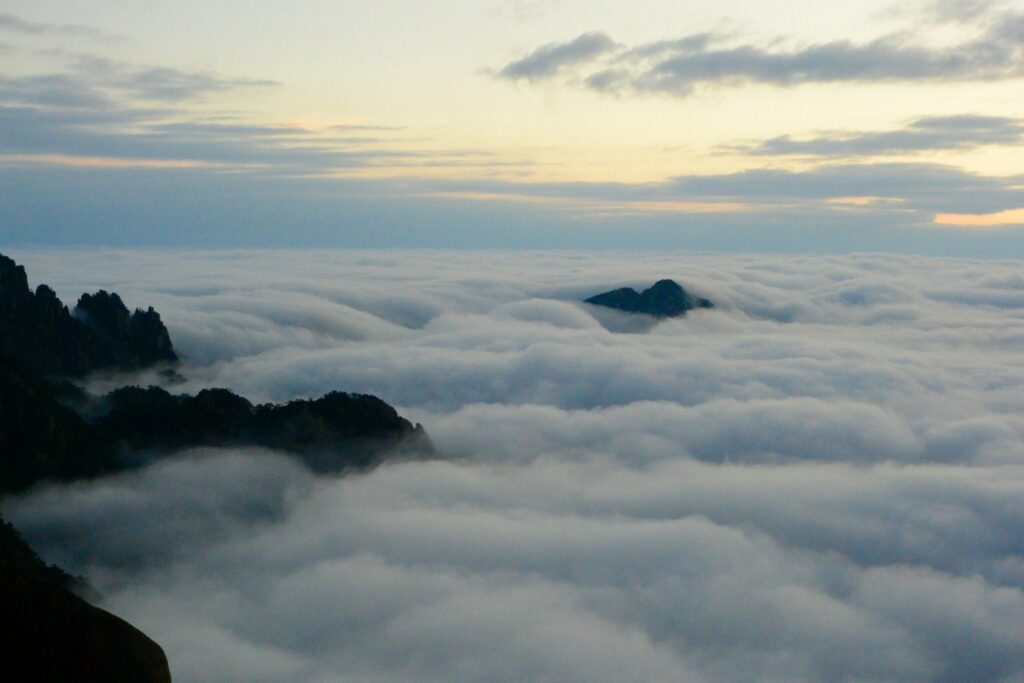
103, 109
922, 135
677, 67
157, 83
10, 22
554, 58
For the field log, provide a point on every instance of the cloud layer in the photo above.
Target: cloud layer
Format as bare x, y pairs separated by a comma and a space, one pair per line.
822, 479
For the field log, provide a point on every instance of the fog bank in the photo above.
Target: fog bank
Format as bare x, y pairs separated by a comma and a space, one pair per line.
821, 479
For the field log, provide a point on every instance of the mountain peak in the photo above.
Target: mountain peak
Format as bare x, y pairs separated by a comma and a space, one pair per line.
664, 299
42, 336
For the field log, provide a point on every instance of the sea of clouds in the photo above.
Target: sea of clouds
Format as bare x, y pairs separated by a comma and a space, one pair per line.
820, 480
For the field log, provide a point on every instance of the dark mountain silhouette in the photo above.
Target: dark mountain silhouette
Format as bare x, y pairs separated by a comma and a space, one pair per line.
40, 336
664, 299
333, 433
135, 340
42, 439
47, 441
51, 430
17, 557
51, 634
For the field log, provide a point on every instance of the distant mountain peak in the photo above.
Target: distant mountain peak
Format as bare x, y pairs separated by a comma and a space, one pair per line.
664, 299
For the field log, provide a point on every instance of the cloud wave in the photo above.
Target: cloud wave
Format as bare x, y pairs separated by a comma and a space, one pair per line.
819, 480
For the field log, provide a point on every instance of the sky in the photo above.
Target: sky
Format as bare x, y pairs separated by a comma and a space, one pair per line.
821, 479
775, 126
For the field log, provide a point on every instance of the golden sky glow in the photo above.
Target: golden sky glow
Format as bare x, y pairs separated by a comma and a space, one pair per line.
984, 220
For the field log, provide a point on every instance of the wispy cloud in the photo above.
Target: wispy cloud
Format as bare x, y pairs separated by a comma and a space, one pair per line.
15, 24
91, 82
932, 188
126, 137
597, 207
924, 134
677, 67
554, 58
158, 83
961, 11
103, 113
922, 188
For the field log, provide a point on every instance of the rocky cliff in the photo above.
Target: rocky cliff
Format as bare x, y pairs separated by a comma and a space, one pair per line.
51, 634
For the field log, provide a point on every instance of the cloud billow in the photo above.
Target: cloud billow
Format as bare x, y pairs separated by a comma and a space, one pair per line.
818, 480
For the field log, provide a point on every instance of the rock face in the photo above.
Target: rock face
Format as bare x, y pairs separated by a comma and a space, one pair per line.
135, 340
664, 299
51, 634
39, 335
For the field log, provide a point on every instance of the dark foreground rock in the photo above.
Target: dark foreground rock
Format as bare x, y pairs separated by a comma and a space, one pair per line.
665, 299
51, 634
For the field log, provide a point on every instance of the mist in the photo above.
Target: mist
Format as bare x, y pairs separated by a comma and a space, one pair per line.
821, 479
